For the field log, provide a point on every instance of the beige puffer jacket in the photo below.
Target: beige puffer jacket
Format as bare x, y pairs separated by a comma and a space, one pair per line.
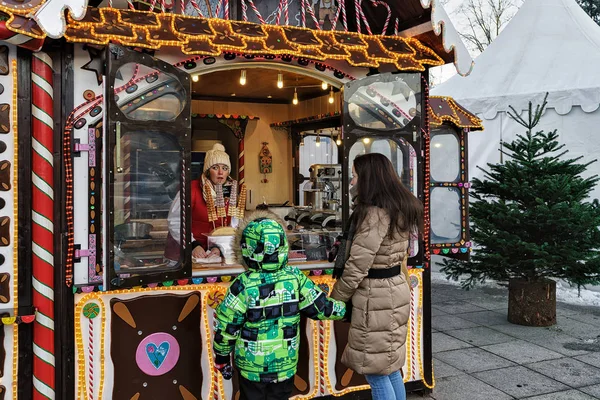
381, 307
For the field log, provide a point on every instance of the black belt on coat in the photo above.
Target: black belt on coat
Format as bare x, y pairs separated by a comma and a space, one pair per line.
384, 273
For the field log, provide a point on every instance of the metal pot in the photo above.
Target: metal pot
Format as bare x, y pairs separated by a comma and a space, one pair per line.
133, 230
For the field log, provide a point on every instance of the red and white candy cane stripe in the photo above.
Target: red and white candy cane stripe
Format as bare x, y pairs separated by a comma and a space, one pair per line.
91, 358
244, 11
258, 15
358, 12
311, 12
18, 39
42, 232
286, 12
278, 13
127, 177
364, 19
389, 15
197, 8
413, 332
322, 355
344, 16
226, 9
303, 13
241, 179
218, 11
396, 27
337, 16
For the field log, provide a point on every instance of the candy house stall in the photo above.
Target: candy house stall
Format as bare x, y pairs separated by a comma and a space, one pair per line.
107, 110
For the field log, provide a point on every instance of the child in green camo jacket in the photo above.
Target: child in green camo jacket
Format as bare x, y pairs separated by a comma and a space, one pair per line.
260, 315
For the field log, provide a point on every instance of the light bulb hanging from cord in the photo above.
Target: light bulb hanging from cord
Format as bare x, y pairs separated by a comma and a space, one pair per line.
366, 140
338, 138
243, 77
195, 78
324, 85
301, 140
280, 80
295, 99
331, 99
318, 141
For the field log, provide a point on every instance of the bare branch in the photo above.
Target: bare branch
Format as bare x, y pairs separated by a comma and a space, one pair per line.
484, 19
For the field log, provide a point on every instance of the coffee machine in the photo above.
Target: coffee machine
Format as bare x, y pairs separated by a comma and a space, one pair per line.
323, 190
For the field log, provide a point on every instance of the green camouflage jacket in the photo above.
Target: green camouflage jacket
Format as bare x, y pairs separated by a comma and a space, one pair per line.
260, 315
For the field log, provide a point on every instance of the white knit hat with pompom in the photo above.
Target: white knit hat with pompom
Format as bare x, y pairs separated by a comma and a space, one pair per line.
216, 156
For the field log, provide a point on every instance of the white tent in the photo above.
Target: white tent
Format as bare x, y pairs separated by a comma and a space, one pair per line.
549, 46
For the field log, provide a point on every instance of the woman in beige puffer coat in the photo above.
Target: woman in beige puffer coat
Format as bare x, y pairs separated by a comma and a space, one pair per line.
375, 276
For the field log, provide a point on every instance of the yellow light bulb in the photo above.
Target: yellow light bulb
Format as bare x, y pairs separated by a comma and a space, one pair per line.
195, 78
243, 77
295, 99
280, 80
324, 85
366, 140
338, 142
331, 99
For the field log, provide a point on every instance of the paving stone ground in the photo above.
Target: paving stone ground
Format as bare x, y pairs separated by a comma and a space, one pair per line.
478, 354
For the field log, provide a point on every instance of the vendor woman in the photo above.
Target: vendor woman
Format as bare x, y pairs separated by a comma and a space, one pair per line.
216, 201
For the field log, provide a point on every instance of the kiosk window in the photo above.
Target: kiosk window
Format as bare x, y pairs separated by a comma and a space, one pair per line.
162, 99
445, 156
445, 215
385, 102
403, 158
147, 180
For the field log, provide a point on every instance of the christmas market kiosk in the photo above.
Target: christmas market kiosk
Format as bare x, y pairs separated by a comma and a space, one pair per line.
112, 115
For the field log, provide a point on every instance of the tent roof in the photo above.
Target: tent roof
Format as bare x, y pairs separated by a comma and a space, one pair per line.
549, 46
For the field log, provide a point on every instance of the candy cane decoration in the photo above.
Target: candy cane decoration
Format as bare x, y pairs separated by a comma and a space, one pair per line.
42, 233
303, 13
258, 15
91, 358
321, 325
197, 8
226, 10
364, 19
244, 11
19, 39
127, 177
218, 11
344, 17
286, 13
337, 16
396, 27
311, 11
413, 329
389, 15
241, 179
278, 12
358, 12
91, 311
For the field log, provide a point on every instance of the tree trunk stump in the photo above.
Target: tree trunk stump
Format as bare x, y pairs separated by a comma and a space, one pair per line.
532, 303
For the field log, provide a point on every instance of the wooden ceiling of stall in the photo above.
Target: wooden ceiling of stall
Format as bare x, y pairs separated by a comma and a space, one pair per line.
260, 84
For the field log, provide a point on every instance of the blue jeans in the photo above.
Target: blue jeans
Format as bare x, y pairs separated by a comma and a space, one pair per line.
387, 387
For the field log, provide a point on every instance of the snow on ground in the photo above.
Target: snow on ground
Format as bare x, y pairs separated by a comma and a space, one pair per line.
590, 296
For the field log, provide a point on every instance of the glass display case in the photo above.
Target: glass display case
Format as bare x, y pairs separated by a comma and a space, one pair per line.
306, 247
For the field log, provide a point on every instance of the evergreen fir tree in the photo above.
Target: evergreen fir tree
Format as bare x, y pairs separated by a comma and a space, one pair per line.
532, 218
592, 8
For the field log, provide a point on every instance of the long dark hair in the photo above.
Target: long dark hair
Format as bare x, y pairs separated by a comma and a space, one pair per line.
379, 185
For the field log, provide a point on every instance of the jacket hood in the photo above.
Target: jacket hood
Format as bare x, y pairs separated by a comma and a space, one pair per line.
260, 242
